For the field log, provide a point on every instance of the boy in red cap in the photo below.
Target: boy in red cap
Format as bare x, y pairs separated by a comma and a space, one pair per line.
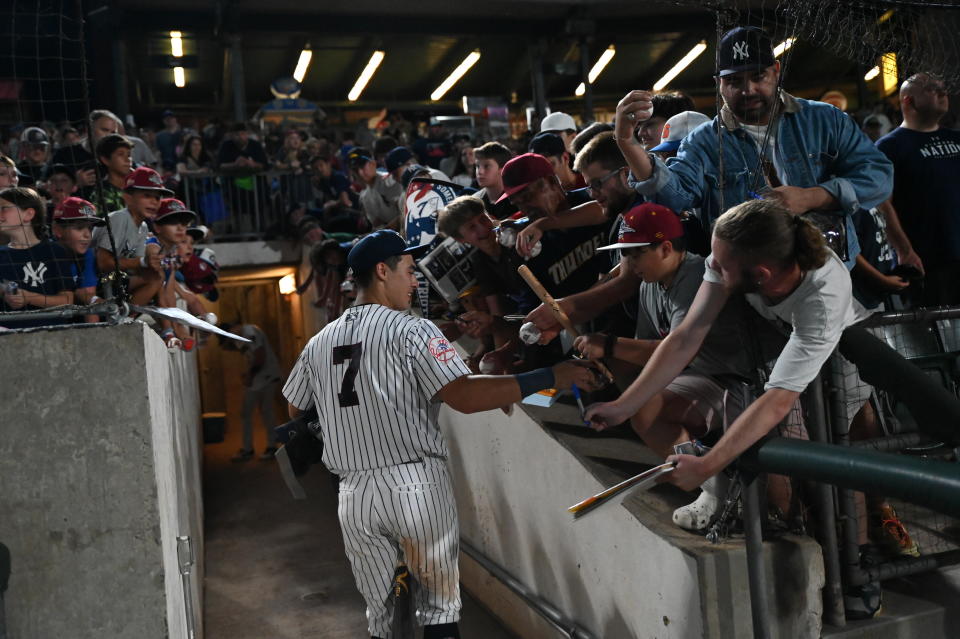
142, 194
73, 222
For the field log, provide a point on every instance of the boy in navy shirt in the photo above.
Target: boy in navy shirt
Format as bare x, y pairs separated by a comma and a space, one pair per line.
33, 273
73, 222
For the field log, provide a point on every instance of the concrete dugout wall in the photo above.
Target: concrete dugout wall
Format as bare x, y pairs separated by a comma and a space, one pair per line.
99, 475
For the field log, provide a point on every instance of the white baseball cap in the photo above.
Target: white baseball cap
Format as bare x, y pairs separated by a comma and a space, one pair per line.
677, 128
558, 121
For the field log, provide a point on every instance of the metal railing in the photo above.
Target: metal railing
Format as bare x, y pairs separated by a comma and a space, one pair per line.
917, 406
240, 206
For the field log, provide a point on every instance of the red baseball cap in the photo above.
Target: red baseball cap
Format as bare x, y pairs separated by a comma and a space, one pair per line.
646, 224
521, 171
173, 210
75, 209
146, 179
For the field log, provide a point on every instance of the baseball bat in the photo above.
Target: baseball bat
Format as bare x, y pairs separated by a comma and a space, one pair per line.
558, 312
644, 479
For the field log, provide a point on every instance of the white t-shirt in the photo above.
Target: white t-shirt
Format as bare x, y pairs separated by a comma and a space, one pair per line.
269, 371
758, 132
815, 314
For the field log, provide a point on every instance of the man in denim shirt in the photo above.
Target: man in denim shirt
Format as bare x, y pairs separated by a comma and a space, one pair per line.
813, 158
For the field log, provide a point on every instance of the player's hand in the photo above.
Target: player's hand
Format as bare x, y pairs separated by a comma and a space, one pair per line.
476, 324
635, 107
579, 372
690, 472
590, 346
911, 259
606, 415
527, 239
545, 320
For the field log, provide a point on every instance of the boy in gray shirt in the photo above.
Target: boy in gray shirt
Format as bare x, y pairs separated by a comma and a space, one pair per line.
142, 193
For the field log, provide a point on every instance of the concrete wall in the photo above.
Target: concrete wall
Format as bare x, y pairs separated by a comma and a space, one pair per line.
614, 576
625, 571
99, 462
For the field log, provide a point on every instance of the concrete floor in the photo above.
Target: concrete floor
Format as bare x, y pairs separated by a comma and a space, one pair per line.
275, 567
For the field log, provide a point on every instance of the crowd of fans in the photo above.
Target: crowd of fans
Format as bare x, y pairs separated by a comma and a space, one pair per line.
614, 220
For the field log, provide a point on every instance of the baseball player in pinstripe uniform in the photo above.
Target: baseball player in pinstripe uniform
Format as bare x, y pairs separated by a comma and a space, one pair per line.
377, 376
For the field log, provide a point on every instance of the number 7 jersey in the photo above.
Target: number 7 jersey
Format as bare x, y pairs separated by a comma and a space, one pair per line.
373, 374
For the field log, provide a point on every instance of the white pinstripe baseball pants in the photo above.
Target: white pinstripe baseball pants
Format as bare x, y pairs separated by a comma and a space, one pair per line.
403, 512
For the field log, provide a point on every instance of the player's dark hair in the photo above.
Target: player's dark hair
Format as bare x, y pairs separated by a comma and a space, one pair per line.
764, 231
588, 134
603, 150
24, 198
365, 278
110, 143
457, 213
493, 151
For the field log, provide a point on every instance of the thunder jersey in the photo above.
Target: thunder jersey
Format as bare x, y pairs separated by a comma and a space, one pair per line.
372, 374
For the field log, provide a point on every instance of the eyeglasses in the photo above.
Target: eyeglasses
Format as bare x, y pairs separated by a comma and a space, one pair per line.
596, 185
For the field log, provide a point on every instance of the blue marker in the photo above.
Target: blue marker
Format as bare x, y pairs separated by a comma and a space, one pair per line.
583, 412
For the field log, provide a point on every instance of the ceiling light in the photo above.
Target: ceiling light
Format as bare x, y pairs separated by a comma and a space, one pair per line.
179, 77
176, 44
783, 46
598, 67
305, 56
680, 66
871, 74
888, 68
365, 75
454, 77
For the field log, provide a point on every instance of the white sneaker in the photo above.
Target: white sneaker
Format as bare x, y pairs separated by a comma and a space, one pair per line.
696, 516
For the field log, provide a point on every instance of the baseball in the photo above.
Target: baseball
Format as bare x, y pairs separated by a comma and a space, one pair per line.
529, 333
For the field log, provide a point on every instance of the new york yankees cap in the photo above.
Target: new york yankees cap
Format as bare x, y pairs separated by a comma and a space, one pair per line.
378, 247
744, 49
645, 224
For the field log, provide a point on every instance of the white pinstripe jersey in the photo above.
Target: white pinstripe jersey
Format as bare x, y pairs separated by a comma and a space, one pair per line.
372, 374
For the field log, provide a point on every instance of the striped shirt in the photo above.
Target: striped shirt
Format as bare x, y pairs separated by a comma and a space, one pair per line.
373, 374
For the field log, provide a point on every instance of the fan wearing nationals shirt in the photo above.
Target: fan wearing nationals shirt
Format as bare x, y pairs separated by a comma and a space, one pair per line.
377, 376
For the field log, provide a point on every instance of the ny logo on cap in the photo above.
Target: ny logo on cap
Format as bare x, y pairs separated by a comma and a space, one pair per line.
741, 51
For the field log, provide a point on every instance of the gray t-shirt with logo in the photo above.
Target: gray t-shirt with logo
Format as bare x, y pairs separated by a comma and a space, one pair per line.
128, 236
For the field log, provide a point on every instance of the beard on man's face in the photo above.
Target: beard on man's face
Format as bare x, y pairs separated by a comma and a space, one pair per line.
752, 108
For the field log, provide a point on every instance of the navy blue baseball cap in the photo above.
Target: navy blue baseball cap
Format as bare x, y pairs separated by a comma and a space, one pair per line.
397, 157
378, 247
744, 49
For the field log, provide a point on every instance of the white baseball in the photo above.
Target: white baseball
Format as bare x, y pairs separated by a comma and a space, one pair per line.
529, 333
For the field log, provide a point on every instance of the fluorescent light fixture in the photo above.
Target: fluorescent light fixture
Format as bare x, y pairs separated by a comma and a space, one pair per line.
888, 69
783, 46
305, 56
871, 74
365, 75
680, 66
179, 77
176, 44
454, 77
598, 68
287, 284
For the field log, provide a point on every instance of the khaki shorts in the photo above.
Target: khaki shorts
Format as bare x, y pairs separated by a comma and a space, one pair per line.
718, 402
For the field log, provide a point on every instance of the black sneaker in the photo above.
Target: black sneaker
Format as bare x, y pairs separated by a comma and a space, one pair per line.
269, 453
865, 601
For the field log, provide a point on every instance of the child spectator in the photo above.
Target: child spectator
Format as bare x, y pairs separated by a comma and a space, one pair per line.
34, 154
9, 176
144, 188
113, 152
73, 222
550, 146
465, 168
32, 272
490, 160
378, 199
60, 183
